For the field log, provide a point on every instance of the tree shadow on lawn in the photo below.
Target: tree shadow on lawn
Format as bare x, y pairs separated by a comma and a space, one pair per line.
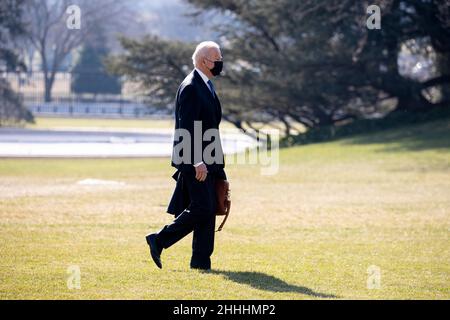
427, 136
262, 281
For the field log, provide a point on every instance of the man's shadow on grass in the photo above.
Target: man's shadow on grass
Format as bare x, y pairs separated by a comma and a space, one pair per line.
262, 281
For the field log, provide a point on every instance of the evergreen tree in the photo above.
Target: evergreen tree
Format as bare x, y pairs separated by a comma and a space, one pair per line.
89, 74
313, 62
158, 65
320, 60
11, 26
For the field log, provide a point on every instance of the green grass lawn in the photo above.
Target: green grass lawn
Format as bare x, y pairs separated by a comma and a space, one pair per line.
311, 231
56, 122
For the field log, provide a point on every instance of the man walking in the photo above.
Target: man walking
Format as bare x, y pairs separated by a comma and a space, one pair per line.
197, 112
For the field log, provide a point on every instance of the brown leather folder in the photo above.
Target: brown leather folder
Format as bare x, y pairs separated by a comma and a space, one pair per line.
223, 200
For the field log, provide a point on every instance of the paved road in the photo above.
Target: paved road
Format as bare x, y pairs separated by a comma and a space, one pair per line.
18, 142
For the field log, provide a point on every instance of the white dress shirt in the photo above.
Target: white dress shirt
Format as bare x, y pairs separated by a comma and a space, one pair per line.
204, 76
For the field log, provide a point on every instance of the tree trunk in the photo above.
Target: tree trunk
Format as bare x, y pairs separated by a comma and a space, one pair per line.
410, 98
48, 86
444, 69
411, 103
323, 118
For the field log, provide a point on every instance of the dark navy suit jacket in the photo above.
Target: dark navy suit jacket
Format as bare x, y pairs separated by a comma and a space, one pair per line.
194, 102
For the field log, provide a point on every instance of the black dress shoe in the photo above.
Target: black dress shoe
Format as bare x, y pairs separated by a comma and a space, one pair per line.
155, 250
201, 267
207, 270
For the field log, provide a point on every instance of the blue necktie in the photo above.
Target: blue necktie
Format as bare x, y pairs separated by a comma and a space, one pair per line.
211, 87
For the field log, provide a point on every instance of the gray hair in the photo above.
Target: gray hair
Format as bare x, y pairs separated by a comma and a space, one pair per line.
202, 49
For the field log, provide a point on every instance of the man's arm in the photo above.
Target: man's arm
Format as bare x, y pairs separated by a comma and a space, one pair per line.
189, 112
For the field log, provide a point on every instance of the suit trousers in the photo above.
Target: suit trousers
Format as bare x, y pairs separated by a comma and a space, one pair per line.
199, 217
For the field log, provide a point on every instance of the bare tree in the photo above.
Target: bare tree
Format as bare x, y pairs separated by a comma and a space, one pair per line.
54, 40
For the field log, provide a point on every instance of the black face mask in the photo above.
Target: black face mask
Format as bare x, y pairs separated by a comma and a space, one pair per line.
218, 66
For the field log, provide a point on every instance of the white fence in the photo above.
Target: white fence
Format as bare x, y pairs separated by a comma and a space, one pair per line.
66, 103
